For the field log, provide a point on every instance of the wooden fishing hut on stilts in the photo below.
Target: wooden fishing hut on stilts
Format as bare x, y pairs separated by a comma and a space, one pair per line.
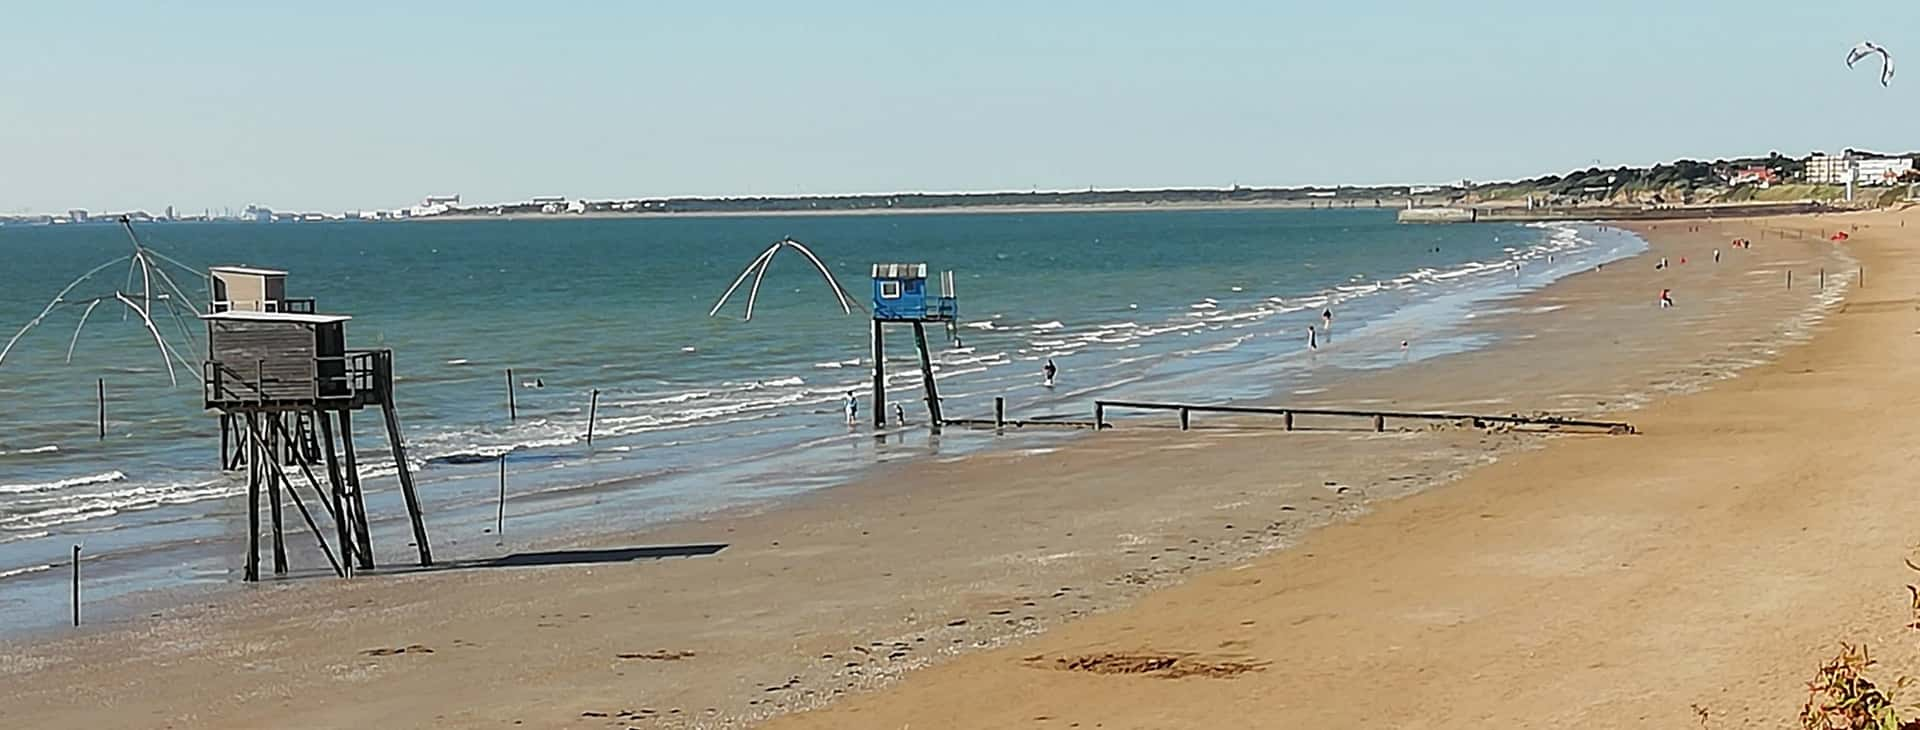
900, 296
275, 370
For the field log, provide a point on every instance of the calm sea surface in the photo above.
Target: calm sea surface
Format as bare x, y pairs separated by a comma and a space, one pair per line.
696, 413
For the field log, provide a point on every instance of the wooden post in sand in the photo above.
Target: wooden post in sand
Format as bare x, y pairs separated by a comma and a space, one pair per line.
1099, 415
1789, 278
500, 517
1379, 423
1823, 278
76, 585
1000, 414
593, 409
1185, 419
1286, 418
513, 409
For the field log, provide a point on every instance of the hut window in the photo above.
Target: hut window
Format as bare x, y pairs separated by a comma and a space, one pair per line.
889, 290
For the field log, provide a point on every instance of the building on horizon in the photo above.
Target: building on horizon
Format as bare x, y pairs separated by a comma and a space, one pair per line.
1825, 169
77, 215
1760, 175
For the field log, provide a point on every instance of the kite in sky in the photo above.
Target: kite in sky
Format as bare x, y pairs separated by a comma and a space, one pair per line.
1869, 48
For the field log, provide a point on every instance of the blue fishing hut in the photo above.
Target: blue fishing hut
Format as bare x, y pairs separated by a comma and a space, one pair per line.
900, 295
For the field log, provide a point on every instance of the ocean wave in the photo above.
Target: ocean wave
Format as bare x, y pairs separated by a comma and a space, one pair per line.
1053, 325
49, 448
29, 487
5, 574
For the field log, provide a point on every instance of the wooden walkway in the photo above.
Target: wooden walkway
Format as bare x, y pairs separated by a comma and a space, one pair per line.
1379, 418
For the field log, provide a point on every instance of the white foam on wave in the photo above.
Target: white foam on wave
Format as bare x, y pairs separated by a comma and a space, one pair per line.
458, 361
49, 448
30, 487
1053, 325
5, 574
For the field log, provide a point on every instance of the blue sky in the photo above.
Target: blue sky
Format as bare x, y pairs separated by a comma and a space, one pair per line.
344, 105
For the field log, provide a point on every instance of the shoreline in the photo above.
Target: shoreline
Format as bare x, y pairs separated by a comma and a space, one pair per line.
818, 528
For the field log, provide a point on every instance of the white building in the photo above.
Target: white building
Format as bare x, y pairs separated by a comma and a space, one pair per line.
1825, 169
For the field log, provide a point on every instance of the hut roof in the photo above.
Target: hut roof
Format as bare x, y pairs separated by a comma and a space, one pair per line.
277, 317
247, 270
899, 271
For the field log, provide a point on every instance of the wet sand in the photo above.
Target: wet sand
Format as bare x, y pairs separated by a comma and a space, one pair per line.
1134, 540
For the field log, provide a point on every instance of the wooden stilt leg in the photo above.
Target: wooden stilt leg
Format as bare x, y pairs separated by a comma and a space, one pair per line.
279, 474
879, 375
342, 514
306, 470
357, 501
926, 375
400, 462
225, 423
253, 502
273, 494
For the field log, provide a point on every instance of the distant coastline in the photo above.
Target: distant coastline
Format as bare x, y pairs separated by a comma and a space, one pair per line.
981, 208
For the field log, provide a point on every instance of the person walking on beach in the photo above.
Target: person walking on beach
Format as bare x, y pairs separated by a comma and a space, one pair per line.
1716, 255
899, 415
1049, 371
1326, 320
1666, 298
853, 409
1313, 338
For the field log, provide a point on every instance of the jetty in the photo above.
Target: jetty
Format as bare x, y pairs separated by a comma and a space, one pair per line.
1376, 417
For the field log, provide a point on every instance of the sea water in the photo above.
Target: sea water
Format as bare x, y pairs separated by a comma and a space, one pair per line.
696, 413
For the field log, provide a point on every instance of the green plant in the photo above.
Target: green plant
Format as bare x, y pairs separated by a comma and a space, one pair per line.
1841, 697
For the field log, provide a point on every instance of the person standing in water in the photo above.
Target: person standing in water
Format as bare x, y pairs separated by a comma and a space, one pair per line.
1313, 338
1049, 371
853, 409
899, 415
1326, 320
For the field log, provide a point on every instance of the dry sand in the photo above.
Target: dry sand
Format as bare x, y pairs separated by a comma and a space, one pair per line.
1600, 580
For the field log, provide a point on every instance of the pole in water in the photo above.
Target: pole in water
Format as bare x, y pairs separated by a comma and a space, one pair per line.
76, 585
513, 409
500, 518
593, 408
999, 413
102, 400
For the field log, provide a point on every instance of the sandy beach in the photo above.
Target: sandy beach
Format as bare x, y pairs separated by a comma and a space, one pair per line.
1232, 576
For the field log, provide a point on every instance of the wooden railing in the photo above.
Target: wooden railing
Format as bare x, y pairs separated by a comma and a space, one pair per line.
353, 376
